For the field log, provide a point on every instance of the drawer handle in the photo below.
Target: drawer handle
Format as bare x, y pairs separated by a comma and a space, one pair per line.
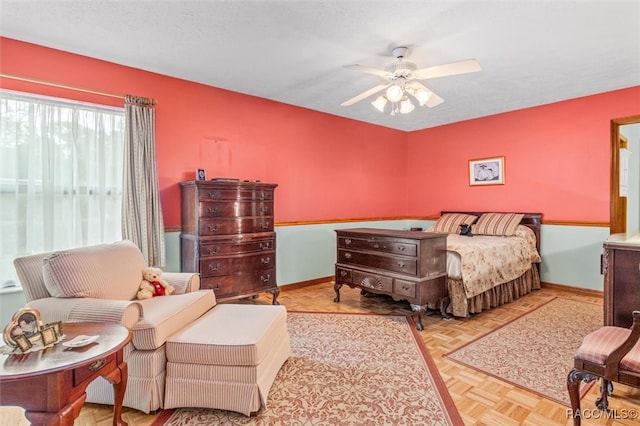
265, 246
376, 245
213, 194
265, 260
214, 268
401, 248
264, 209
265, 225
347, 241
343, 273
347, 255
214, 251
97, 365
401, 264
265, 278
214, 228
213, 209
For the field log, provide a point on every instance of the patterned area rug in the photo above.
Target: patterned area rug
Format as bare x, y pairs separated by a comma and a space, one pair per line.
346, 369
535, 351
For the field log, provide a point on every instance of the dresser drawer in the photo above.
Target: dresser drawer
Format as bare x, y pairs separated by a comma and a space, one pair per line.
383, 245
371, 281
222, 265
343, 275
235, 208
209, 194
405, 265
404, 288
228, 286
209, 248
239, 225
82, 374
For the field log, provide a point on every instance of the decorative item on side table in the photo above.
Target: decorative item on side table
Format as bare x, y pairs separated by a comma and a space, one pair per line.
26, 332
486, 171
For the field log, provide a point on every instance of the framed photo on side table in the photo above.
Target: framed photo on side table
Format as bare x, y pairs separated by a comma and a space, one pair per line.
48, 335
486, 171
25, 325
22, 343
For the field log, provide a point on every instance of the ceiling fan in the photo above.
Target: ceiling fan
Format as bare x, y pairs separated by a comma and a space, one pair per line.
402, 78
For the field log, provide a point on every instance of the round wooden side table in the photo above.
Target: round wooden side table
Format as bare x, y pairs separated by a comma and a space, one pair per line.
50, 384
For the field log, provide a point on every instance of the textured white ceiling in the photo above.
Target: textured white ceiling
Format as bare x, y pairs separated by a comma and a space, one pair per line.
531, 52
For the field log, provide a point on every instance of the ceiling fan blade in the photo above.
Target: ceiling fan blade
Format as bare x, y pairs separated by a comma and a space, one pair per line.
433, 100
454, 68
364, 95
369, 70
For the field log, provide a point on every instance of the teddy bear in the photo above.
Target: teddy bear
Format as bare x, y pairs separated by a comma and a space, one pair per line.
152, 285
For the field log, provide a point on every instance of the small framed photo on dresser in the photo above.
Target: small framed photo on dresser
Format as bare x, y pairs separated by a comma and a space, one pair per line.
200, 174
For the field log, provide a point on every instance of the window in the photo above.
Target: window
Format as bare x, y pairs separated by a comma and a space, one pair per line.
61, 165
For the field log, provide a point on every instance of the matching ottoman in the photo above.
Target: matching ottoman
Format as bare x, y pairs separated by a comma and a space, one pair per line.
228, 358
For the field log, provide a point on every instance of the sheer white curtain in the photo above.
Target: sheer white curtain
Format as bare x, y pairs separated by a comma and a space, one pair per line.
142, 220
61, 168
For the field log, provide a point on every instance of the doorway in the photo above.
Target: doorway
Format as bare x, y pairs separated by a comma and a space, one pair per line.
618, 211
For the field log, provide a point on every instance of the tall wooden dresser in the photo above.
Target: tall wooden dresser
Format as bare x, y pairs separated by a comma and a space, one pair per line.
406, 265
621, 268
228, 237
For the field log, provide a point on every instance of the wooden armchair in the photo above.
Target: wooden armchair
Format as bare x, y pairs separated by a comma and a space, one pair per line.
611, 354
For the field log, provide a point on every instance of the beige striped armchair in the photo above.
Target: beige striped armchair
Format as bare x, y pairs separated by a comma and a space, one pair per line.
99, 283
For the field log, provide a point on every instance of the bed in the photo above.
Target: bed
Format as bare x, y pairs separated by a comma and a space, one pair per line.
497, 265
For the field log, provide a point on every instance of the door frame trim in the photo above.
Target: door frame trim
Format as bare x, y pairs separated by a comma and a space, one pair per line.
617, 219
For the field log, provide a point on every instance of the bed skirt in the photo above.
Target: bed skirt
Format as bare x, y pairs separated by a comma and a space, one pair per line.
461, 306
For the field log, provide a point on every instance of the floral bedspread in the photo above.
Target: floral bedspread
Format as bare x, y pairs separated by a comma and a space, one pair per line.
487, 261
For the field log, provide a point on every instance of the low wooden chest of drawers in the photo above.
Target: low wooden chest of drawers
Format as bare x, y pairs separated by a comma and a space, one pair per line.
228, 237
406, 265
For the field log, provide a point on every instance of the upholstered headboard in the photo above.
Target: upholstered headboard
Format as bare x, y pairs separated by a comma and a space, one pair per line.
530, 220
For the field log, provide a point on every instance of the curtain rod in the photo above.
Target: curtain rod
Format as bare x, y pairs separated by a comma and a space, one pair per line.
66, 86
62, 86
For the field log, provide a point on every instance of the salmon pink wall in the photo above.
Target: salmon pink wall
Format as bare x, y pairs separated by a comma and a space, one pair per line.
557, 160
327, 167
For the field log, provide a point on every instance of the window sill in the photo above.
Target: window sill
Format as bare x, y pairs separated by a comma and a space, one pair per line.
9, 290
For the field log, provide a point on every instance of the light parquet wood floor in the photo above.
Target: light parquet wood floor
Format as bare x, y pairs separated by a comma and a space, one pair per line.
481, 400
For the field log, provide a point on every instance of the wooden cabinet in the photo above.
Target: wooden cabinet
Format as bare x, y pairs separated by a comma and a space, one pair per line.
621, 268
228, 237
406, 265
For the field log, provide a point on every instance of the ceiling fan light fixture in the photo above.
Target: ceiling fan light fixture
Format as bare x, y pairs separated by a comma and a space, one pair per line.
406, 106
422, 96
394, 93
379, 103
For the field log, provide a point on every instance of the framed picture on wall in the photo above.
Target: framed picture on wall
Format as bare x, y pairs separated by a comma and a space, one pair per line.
486, 171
